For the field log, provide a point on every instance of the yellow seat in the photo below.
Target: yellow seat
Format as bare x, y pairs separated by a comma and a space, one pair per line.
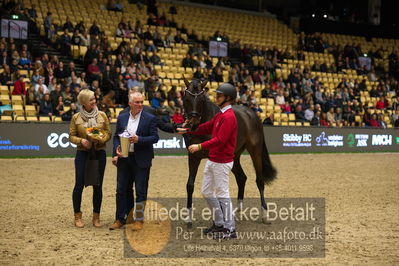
30, 110
20, 118
18, 110
4, 90
5, 99
291, 117
82, 51
44, 119
117, 111
6, 118
57, 119
270, 101
16, 99
31, 118
284, 117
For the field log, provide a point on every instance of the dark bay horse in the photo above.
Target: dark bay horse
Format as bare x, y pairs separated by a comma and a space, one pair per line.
198, 109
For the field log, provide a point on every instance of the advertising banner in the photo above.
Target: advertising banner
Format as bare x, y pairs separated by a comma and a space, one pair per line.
39, 139
320, 139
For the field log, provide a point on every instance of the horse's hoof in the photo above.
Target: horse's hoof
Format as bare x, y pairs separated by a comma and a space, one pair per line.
265, 221
264, 217
190, 225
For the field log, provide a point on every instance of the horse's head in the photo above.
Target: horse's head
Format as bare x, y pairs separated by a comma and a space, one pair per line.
194, 102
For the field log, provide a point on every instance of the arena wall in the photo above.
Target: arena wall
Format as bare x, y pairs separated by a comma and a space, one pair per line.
51, 140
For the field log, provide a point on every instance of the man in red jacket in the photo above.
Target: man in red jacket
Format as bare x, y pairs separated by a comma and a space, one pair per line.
215, 184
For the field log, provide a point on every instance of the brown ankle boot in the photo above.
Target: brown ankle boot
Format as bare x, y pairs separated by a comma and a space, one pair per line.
116, 225
137, 225
78, 220
96, 219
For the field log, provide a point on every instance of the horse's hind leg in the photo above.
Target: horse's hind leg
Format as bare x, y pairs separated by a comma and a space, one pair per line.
241, 179
193, 163
256, 155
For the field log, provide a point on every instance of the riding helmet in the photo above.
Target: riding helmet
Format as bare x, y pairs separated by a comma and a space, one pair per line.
228, 90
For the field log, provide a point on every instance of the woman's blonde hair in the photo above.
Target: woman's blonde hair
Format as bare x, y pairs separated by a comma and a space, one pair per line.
84, 96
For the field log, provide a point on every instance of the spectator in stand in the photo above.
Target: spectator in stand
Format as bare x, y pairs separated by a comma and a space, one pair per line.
178, 38
80, 27
164, 111
58, 106
24, 61
76, 39
5, 76
316, 119
381, 103
381, 121
280, 100
331, 116
309, 113
46, 107
32, 12
68, 96
47, 25
99, 95
85, 39
269, 121
68, 26
67, 116
113, 5
93, 71
5, 58
286, 108
323, 120
155, 101
52, 85
19, 86
55, 94
373, 122
155, 59
338, 116
41, 87
35, 77
94, 29
60, 72
177, 117
48, 79
109, 99
299, 113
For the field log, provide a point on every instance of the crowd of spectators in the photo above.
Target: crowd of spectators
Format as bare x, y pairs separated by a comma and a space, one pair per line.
112, 72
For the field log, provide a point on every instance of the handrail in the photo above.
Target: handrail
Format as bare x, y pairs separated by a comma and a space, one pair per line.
19, 29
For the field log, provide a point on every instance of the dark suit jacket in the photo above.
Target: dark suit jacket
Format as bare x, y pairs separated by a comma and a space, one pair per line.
148, 135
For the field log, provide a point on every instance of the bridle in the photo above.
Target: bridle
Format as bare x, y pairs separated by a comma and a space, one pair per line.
194, 113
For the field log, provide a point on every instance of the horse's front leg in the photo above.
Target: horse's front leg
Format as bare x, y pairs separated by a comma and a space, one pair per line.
193, 163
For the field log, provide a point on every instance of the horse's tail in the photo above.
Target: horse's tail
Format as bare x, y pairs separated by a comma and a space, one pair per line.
269, 173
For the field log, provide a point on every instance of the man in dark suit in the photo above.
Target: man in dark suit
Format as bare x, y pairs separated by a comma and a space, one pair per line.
142, 129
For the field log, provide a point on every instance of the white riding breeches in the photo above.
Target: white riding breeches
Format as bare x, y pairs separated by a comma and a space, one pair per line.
215, 189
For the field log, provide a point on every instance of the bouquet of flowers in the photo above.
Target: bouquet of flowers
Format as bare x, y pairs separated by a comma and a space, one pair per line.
95, 133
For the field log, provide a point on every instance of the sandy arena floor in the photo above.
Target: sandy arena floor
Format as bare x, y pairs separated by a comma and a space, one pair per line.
361, 192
